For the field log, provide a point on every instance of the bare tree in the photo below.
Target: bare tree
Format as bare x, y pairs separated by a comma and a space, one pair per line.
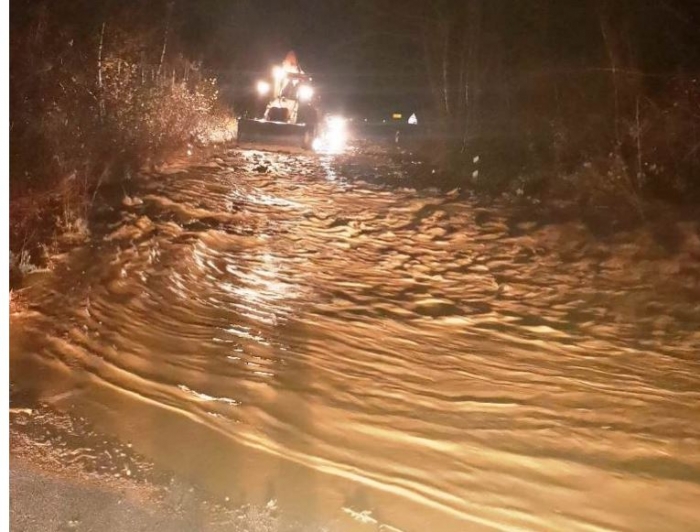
168, 18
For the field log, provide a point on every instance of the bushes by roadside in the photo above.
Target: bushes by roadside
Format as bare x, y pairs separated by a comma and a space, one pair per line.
92, 99
580, 149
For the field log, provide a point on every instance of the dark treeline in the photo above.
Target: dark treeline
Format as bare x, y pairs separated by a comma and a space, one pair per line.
604, 93
594, 99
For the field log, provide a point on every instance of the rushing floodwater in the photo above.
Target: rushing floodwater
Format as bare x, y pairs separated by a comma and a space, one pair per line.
371, 359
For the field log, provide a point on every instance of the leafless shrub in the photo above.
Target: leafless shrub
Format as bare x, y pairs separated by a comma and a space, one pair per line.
87, 107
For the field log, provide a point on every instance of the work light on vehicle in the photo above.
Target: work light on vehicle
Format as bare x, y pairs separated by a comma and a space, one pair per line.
306, 92
278, 73
263, 87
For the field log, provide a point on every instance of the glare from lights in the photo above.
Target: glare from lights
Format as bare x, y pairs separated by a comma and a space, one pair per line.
306, 92
335, 122
334, 136
278, 73
263, 88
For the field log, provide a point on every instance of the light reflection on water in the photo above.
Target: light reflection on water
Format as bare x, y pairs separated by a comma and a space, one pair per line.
369, 357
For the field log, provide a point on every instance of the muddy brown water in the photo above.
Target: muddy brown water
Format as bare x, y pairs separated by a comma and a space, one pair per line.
367, 358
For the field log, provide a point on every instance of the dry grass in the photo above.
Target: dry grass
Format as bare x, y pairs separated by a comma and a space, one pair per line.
77, 123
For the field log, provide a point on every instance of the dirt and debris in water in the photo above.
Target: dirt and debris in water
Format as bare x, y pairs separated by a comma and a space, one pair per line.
312, 344
81, 479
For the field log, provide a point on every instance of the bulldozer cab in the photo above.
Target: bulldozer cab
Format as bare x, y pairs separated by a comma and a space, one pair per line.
292, 93
290, 113
288, 86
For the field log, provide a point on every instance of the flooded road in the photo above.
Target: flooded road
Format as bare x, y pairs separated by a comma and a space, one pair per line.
372, 358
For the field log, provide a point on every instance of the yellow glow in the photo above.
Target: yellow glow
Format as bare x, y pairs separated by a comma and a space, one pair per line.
306, 92
334, 137
278, 73
263, 87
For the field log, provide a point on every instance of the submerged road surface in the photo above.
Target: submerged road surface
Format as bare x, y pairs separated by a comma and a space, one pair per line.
359, 357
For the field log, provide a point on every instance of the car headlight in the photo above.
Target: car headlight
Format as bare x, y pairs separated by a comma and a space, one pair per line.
335, 135
306, 92
263, 87
336, 123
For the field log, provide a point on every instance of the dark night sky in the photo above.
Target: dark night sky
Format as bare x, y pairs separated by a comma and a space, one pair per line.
364, 56
368, 62
354, 67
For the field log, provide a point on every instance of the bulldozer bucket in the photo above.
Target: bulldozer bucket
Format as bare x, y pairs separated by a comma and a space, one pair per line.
276, 134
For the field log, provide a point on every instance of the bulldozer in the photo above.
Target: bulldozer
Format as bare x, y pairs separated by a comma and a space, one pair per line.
291, 117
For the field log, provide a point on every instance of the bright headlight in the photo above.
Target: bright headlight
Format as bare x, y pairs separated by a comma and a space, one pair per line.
334, 136
336, 123
263, 87
306, 92
278, 73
